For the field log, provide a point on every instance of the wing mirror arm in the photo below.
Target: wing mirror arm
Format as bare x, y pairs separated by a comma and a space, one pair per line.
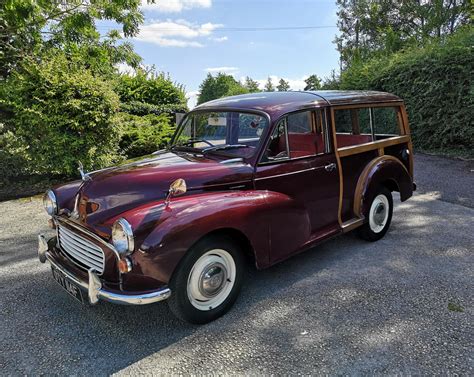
177, 188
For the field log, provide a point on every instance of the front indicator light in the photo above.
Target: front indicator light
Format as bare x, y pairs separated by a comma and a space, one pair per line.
125, 265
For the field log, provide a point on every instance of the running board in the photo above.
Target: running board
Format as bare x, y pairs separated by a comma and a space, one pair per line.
352, 224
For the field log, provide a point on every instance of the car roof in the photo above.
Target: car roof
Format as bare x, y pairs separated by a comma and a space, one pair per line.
279, 103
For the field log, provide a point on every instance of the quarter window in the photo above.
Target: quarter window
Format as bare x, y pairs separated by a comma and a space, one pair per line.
387, 122
353, 127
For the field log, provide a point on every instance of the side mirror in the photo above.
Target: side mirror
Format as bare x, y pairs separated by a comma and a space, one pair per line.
177, 188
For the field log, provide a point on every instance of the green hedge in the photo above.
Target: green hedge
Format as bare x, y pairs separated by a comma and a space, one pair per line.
54, 112
143, 108
436, 82
142, 135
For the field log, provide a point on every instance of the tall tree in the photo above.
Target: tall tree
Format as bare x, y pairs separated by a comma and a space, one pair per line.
27, 27
369, 27
269, 85
222, 85
251, 85
313, 82
283, 85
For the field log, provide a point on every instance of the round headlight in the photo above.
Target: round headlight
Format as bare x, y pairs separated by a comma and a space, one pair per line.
50, 203
122, 237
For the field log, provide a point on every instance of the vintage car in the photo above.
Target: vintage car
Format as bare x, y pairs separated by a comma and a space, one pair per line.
261, 176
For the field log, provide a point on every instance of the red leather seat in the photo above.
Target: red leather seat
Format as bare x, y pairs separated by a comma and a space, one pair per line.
349, 140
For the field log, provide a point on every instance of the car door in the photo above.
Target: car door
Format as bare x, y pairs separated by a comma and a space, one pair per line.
297, 163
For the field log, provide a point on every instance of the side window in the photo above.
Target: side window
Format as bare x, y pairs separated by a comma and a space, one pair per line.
277, 148
305, 136
299, 123
352, 127
387, 122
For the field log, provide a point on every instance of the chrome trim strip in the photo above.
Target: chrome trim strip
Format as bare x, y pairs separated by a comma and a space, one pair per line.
96, 292
232, 160
290, 173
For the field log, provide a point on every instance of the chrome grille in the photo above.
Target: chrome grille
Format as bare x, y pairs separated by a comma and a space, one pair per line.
81, 250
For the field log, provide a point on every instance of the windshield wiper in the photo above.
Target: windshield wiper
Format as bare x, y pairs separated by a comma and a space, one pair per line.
224, 147
185, 144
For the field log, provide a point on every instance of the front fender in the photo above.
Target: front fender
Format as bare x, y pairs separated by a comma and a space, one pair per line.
384, 170
253, 213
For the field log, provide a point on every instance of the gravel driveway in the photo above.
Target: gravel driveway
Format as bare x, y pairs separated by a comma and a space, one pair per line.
402, 305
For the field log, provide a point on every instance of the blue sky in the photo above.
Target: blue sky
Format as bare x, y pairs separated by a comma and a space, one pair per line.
188, 38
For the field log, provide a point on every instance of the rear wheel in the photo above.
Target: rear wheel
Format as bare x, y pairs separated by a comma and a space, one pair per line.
207, 281
379, 216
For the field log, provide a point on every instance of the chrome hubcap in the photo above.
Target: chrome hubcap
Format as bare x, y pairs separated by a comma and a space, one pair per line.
212, 279
379, 211
379, 214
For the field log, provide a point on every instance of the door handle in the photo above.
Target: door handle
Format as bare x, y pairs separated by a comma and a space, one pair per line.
330, 167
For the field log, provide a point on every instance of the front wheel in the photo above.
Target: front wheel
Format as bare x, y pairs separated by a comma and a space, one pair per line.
207, 281
379, 216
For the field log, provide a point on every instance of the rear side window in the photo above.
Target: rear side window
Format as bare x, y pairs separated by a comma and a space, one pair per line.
352, 127
299, 123
387, 122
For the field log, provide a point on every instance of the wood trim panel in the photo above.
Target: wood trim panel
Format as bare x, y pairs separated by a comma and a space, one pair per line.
406, 127
339, 166
348, 151
365, 105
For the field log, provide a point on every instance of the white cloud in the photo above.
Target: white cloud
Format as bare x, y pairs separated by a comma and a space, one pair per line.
174, 6
219, 39
179, 33
222, 69
295, 83
192, 98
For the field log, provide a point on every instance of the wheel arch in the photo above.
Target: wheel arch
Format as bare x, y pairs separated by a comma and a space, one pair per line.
385, 171
238, 237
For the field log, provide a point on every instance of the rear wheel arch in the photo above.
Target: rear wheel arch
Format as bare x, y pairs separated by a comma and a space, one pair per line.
385, 171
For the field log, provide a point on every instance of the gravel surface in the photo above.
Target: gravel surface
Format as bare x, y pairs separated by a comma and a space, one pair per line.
451, 179
402, 305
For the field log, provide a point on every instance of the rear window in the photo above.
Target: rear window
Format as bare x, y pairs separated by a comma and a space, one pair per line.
386, 122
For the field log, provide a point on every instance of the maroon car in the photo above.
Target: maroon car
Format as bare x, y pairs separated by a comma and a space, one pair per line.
261, 176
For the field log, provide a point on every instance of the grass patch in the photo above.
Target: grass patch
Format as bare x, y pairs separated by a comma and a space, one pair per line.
454, 307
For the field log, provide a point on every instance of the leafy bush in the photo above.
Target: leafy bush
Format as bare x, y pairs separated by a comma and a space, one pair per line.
142, 108
54, 113
143, 135
150, 88
436, 83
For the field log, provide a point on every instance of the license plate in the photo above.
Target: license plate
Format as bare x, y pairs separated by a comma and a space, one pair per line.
67, 284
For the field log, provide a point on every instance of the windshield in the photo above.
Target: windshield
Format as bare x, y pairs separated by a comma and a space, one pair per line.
234, 133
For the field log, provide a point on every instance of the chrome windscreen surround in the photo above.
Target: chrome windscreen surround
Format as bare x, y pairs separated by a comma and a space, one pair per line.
80, 250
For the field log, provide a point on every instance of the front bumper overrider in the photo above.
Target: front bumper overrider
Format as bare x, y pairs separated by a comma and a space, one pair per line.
94, 288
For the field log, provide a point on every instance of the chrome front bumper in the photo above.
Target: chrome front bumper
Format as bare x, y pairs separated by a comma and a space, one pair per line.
94, 287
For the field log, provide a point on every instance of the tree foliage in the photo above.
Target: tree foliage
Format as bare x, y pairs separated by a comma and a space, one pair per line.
269, 87
381, 27
251, 85
219, 86
283, 85
151, 88
142, 135
29, 27
54, 113
313, 82
435, 81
